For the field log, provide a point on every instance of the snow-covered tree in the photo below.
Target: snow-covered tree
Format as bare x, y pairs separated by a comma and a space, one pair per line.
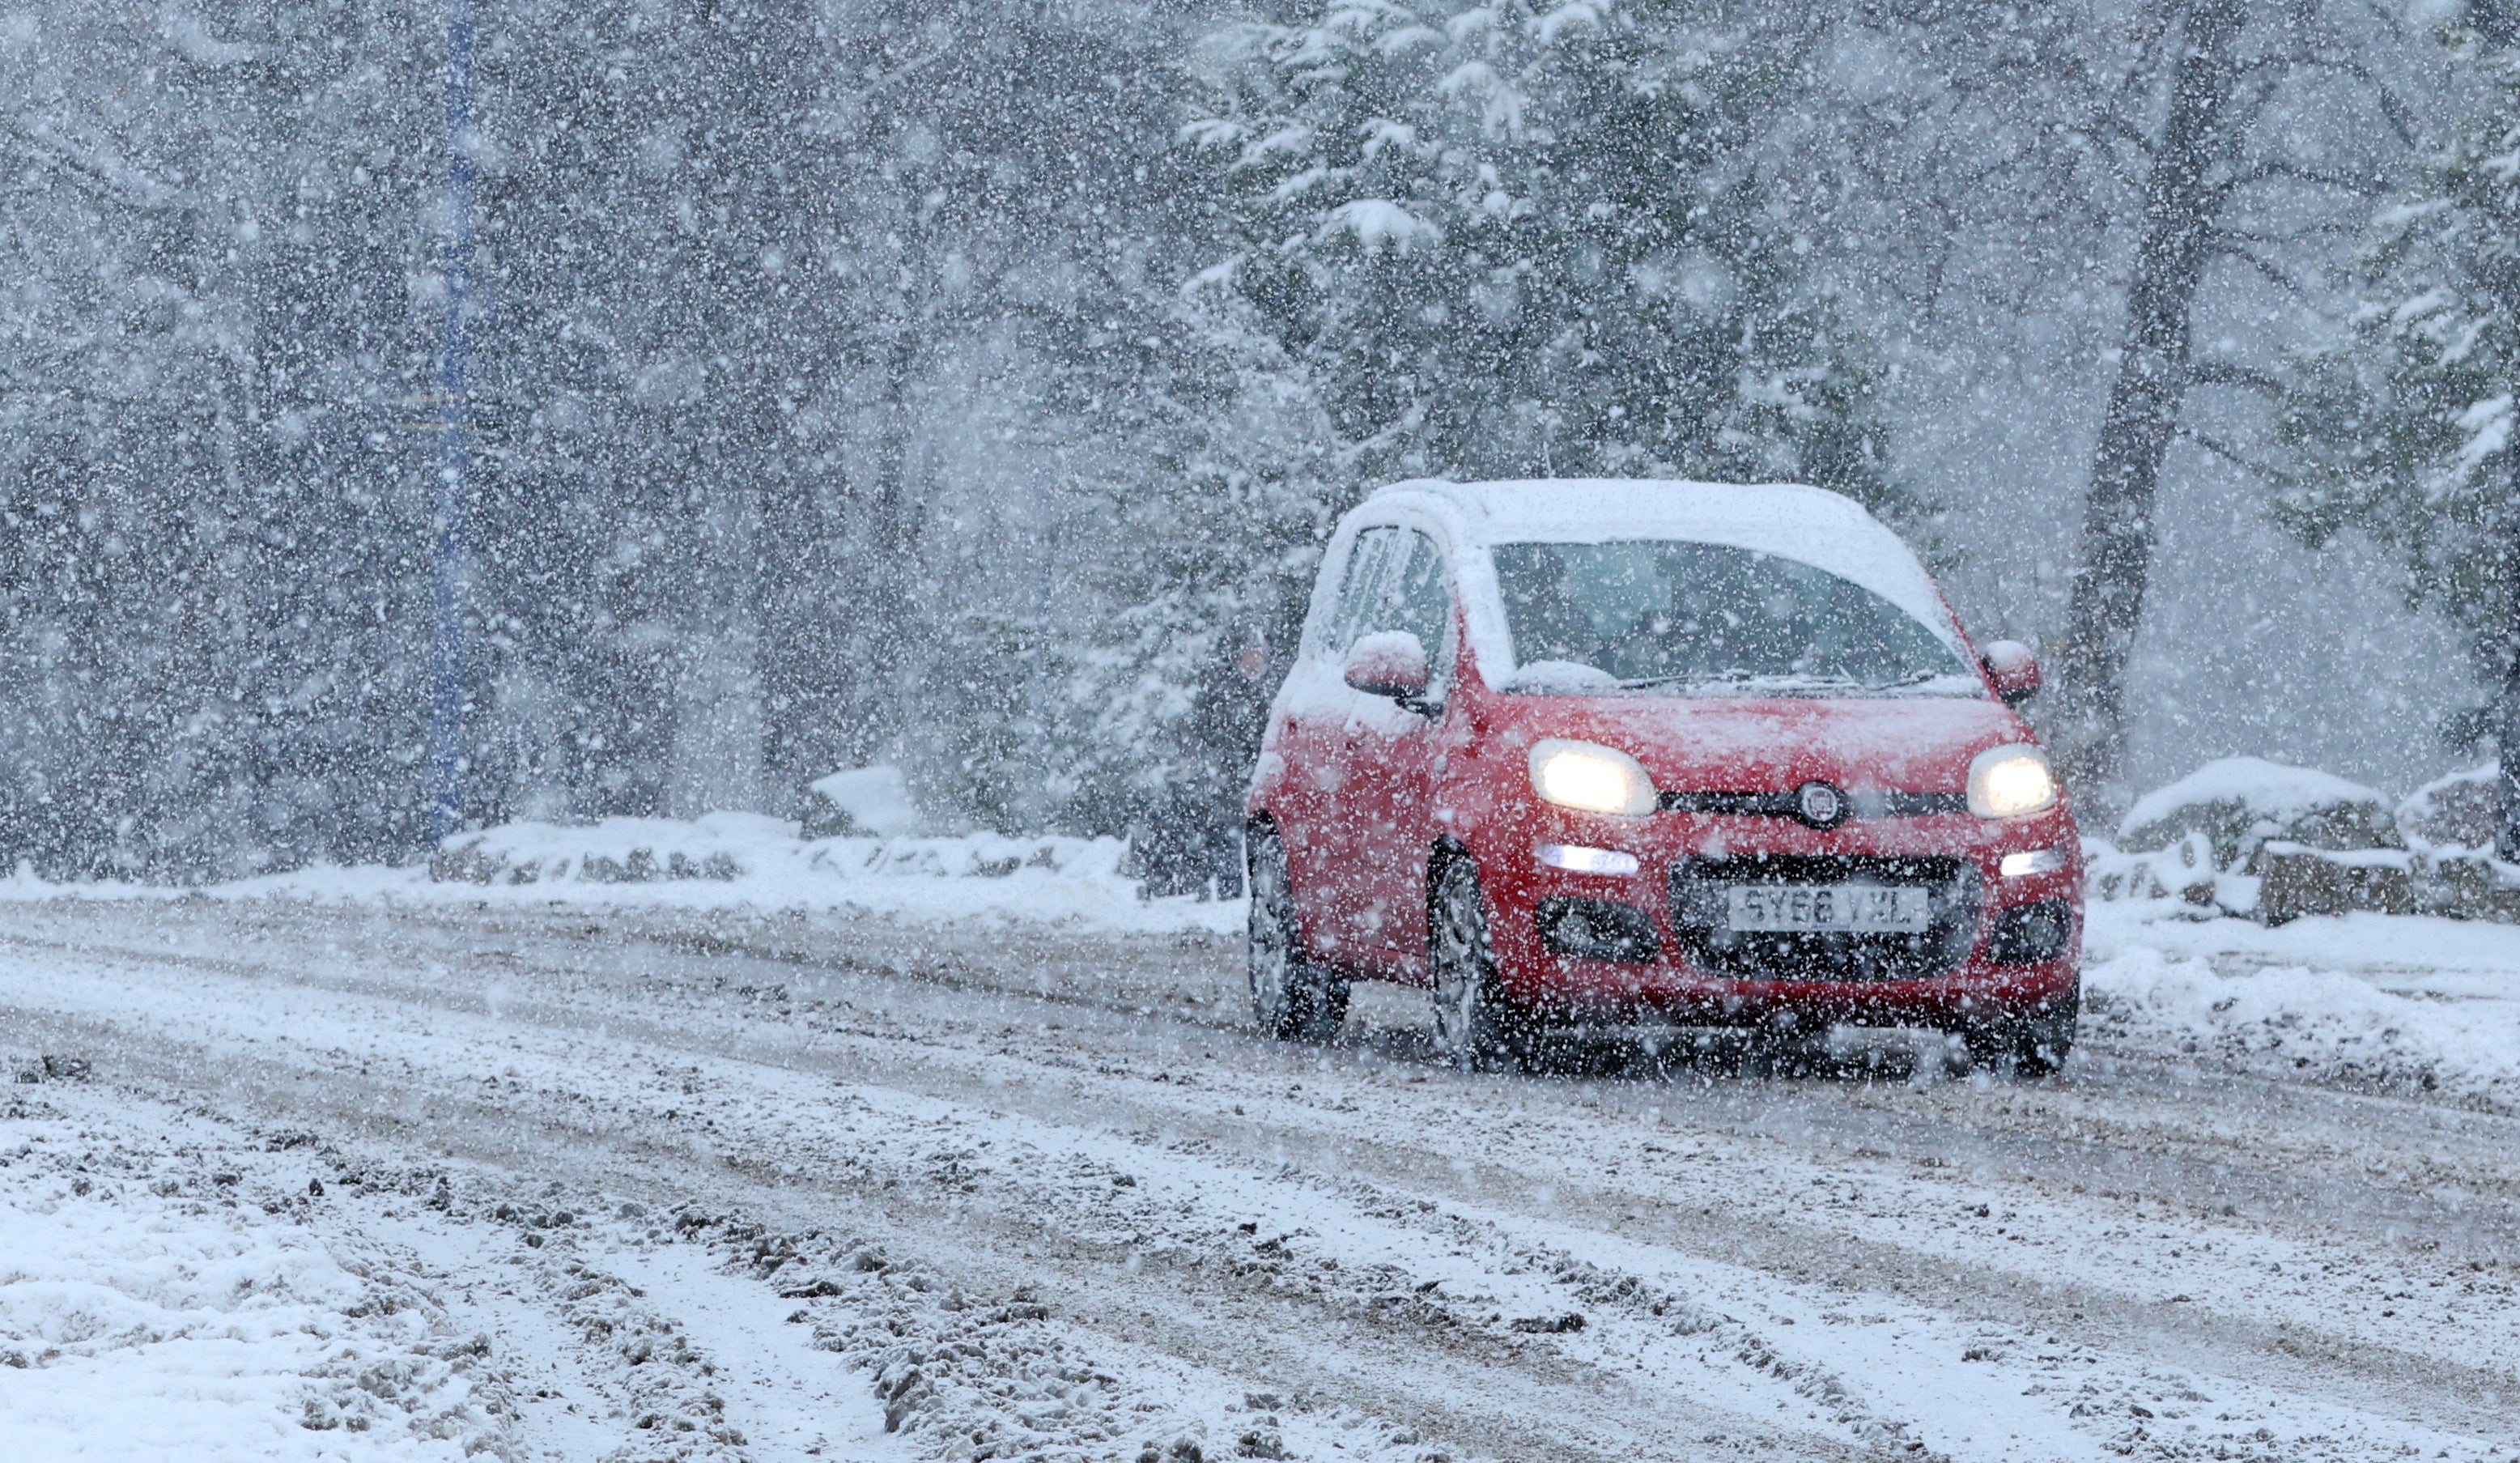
205, 378
1218, 538
1520, 238
2405, 430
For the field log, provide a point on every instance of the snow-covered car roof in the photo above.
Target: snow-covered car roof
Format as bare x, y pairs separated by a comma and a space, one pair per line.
1807, 525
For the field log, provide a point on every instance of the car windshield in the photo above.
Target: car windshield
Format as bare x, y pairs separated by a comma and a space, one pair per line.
1678, 617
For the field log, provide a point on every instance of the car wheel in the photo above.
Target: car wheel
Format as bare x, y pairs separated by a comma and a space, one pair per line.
1292, 998
2032, 1047
1478, 1025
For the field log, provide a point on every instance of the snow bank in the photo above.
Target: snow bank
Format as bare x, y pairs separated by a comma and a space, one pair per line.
741, 858
616, 851
738, 860
2395, 1002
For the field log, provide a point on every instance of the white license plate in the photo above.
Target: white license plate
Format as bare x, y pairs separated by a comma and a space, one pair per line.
1826, 908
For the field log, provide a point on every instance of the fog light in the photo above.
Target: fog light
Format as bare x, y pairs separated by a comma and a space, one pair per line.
2031, 933
1585, 860
1597, 929
2038, 861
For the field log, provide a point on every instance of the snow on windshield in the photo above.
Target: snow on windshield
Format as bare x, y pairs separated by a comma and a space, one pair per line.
1677, 616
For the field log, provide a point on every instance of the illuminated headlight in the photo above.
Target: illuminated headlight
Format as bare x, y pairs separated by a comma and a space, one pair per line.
2010, 782
1590, 778
2037, 861
1585, 860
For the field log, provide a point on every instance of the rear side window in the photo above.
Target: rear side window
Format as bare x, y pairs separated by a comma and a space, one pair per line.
1394, 581
1416, 602
1360, 587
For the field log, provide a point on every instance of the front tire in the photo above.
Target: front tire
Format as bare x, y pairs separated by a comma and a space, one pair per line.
1479, 1026
1292, 998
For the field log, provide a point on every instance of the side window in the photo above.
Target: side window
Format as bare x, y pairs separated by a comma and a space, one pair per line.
1361, 588
1394, 581
1417, 602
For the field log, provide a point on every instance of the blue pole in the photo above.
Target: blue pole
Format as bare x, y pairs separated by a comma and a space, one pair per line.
446, 749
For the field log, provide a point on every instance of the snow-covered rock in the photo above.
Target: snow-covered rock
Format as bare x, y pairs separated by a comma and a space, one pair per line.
2296, 880
2241, 804
2258, 839
2456, 811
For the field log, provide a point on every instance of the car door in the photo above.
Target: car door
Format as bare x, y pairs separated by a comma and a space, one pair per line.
1318, 818
1388, 766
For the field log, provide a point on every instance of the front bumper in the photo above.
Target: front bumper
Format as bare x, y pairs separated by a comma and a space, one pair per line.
1979, 966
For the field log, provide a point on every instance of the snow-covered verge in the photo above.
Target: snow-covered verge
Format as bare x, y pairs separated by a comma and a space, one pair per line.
157, 1302
738, 860
2390, 1002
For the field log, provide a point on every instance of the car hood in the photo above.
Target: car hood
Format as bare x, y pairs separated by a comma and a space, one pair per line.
1696, 744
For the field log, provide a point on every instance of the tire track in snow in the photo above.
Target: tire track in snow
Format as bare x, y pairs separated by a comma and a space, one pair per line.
904, 1033
1542, 1405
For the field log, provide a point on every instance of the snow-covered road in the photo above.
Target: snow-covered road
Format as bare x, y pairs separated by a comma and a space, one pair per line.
713, 1183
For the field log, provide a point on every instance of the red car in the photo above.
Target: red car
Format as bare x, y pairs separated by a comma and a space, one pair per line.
1575, 751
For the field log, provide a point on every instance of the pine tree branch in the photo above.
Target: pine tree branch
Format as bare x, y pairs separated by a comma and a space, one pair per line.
102, 174
2325, 229
2250, 96
2265, 472
2271, 169
2233, 374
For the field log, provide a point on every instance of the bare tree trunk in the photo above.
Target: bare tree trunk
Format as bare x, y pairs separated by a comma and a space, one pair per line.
2506, 828
2115, 562
804, 647
883, 591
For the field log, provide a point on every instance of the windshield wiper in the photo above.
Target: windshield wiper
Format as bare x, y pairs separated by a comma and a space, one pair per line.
1692, 677
1640, 682
1789, 683
1791, 680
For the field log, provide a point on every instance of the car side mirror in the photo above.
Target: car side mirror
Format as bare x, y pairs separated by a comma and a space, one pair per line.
2013, 668
1388, 663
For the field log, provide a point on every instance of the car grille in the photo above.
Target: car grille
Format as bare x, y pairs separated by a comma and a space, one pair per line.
1782, 804
1700, 916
